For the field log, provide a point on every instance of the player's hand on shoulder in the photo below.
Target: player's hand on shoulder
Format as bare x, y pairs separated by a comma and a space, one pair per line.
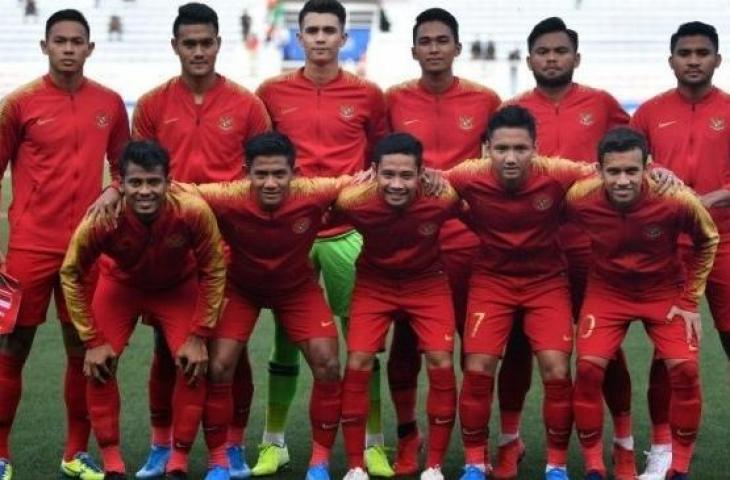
100, 362
107, 208
192, 358
433, 181
665, 179
364, 176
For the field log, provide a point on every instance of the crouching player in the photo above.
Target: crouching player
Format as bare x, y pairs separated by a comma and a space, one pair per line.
270, 221
163, 257
637, 274
399, 272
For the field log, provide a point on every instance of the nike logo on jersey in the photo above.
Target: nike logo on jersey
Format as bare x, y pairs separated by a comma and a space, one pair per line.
409, 122
170, 120
326, 324
43, 121
284, 111
666, 124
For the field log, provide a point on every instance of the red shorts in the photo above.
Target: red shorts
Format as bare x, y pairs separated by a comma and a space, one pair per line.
116, 309
718, 287
302, 312
38, 276
494, 303
426, 301
457, 264
607, 314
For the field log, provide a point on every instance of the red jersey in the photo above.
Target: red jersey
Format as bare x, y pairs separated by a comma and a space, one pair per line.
182, 241
572, 127
518, 230
397, 243
450, 125
56, 142
692, 140
206, 141
270, 249
636, 249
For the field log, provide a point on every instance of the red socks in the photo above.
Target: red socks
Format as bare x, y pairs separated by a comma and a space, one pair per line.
324, 415
188, 402
475, 405
216, 417
103, 401
588, 409
11, 385
685, 412
441, 411
77, 413
355, 402
557, 411
659, 395
161, 385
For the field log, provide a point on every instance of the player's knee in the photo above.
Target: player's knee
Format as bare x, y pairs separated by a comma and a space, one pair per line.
221, 370
589, 375
684, 374
360, 360
481, 364
327, 369
17, 343
439, 359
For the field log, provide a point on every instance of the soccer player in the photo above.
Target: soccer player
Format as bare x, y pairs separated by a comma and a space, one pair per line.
399, 272
637, 273
55, 132
688, 131
515, 200
204, 120
571, 119
163, 256
448, 115
270, 221
333, 118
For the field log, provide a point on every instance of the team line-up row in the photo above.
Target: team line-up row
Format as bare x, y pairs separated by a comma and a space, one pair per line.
472, 249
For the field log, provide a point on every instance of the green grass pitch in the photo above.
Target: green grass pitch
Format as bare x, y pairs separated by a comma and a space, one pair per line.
38, 434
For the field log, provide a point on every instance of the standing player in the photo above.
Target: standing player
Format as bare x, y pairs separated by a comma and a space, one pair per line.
637, 273
571, 119
399, 273
164, 257
270, 221
203, 119
515, 201
333, 118
688, 131
55, 133
449, 116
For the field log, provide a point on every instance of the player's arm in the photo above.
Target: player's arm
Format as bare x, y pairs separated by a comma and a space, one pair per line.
207, 245
461, 176
719, 198
695, 221
617, 116
10, 138
218, 195
108, 206
377, 124
83, 251
258, 120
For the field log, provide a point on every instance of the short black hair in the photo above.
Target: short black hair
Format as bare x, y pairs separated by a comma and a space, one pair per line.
437, 15
551, 25
68, 15
148, 154
623, 139
269, 144
695, 28
195, 13
399, 142
512, 116
324, 6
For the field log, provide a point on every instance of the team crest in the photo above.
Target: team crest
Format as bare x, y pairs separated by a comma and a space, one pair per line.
717, 124
466, 123
347, 111
102, 120
175, 241
427, 229
301, 225
225, 123
586, 119
542, 202
653, 232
